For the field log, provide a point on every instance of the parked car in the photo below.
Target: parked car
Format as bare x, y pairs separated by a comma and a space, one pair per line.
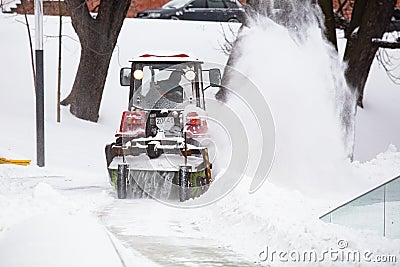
394, 24
396, 14
210, 10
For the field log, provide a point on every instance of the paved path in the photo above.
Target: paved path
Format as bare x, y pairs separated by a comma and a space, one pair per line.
165, 240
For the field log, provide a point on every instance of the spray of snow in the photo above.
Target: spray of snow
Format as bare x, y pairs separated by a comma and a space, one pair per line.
303, 81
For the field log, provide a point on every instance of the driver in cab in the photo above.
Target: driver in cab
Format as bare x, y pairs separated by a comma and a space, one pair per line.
170, 87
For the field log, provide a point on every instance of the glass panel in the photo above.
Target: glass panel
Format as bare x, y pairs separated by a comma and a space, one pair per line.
326, 218
163, 86
231, 3
392, 208
198, 4
365, 212
215, 4
176, 4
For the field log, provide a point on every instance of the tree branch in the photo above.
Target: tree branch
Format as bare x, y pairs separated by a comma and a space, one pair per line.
108, 9
113, 13
386, 44
80, 16
341, 6
356, 16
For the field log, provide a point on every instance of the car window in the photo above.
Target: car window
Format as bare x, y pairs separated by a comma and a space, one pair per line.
176, 3
215, 4
231, 3
198, 4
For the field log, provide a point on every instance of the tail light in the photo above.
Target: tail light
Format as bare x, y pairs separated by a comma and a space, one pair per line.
194, 122
133, 124
195, 126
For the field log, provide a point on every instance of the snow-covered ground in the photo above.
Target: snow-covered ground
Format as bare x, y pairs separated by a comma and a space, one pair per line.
66, 214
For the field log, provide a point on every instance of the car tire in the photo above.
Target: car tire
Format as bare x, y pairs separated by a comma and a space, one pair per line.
174, 18
235, 20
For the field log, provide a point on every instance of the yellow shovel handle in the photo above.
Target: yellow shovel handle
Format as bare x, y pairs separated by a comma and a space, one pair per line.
22, 162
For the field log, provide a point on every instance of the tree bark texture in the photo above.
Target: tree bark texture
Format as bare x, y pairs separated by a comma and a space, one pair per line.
372, 19
98, 37
330, 29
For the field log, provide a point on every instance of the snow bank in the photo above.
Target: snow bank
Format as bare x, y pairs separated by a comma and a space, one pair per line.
40, 227
276, 219
57, 239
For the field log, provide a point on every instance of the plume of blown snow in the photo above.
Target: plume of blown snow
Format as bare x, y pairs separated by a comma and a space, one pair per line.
302, 78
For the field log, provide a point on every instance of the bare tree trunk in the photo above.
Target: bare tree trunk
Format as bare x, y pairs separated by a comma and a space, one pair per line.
330, 30
88, 87
372, 17
98, 37
356, 16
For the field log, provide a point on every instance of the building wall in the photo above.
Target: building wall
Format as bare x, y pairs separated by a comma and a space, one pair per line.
49, 8
346, 9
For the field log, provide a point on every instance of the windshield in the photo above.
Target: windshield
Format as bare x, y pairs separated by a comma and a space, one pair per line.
176, 3
165, 86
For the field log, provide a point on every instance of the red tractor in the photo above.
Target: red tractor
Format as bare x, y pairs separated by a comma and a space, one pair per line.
159, 151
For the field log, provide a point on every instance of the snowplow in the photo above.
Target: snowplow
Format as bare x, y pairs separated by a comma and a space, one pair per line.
160, 149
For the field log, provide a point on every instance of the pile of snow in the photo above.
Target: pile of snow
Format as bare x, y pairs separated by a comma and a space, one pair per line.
57, 239
44, 228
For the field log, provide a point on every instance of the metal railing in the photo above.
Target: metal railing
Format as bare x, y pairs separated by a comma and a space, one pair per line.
377, 210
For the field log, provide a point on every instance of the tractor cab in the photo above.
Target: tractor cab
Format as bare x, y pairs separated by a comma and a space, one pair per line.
161, 131
164, 86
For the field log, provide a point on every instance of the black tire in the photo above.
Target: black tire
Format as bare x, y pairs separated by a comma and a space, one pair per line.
152, 151
109, 157
174, 18
235, 20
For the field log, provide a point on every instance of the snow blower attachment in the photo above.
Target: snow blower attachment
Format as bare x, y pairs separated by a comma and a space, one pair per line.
158, 150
